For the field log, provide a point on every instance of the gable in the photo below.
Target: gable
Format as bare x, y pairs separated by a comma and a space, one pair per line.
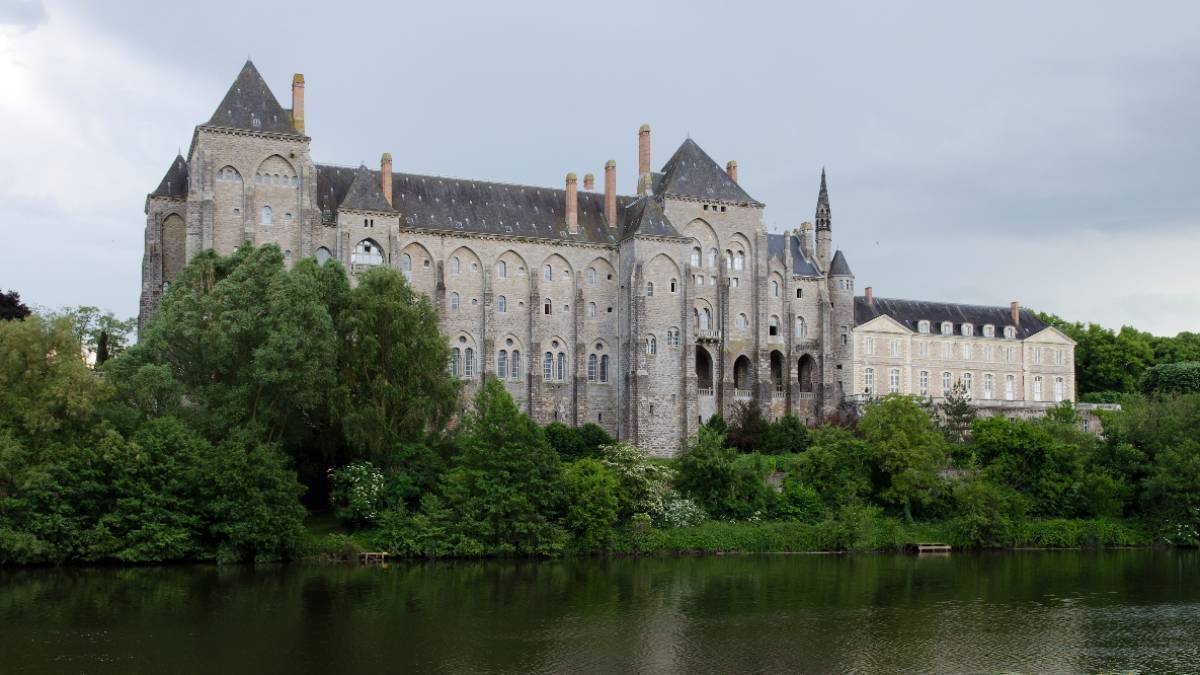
882, 324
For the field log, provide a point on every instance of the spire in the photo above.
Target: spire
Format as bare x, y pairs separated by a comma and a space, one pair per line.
823, 216
250, 105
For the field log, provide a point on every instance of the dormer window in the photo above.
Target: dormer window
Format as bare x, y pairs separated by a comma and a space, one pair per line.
968, 329
989, 330
947, 328
1010, 332
923, 327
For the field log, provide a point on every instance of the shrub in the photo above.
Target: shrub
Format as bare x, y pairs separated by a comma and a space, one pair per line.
680, 511
643, 483
1172, 378
591, 497
357, 492
988, 514
786, 435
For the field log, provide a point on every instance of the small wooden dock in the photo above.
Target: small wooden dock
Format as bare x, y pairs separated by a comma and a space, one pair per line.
931, 548
373, 557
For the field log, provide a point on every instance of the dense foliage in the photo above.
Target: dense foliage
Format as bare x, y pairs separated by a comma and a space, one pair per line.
11, 307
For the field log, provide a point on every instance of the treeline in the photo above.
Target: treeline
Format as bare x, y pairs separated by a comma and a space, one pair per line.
1113, 364
259, 394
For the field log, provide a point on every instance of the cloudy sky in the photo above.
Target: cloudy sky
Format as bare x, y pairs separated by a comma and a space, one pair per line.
1044, 152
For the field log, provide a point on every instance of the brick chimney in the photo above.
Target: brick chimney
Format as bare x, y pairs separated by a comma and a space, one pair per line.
731, 169
870, 292
610, 192
643, 153
298, 102
1015, 310
589, 182
572, 205
385, 176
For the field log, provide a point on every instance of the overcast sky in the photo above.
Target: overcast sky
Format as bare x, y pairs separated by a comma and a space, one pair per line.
1032, 151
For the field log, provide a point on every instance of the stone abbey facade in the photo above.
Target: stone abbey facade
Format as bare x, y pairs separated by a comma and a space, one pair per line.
643, 313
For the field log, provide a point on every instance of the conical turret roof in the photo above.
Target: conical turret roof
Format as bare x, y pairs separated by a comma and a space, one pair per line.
250, 105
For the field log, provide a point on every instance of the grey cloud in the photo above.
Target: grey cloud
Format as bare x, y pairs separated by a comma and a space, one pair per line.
18, 16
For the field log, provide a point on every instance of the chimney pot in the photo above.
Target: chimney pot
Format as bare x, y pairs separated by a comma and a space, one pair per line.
643, 154
731, 169
572, 205
610, 192
385, 177
298, 102
1015, 311
589, 182
870, 292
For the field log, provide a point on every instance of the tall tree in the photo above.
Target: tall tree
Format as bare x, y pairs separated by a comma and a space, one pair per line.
909, 450
11, 306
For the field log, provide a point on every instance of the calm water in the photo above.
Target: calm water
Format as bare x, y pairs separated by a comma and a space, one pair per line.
1048, 611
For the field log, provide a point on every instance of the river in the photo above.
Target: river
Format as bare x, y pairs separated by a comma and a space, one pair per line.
1058, 611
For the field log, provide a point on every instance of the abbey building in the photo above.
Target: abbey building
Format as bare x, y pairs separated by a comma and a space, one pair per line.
644, 313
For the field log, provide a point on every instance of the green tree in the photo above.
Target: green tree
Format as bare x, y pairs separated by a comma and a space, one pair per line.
956, 413
591, 502
838, 466
11, 307
749, 430
643, 484
1028, 457
1172, 378
786, 435
908, 451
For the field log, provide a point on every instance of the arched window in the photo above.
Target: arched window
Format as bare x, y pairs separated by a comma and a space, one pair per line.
649, 289
869, 381
455, 265
1058, 389
946, 383
968, 381
562, 366
502, 304
406, 264
1010, 386
674, 286
469, 363
455, 362
547, 306
591, 310
502, 363
1010, 332
547, 273
947, 328
922, 326
593, 362
266, 215
774, 289
894, 381
695, 257
651, 345
801, 327
741, 322
773, 326
591, 276
515, 366
989, 386
968, 329
455, 301
703, 318
367, 252
1037, 388
502, 269
739, 260
923, 383
712, 258
547, 366
604, 368
323, 254
989, 330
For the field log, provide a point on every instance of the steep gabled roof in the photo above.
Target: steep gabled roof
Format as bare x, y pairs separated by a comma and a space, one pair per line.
645, 216
838, 266
801, 266
250, 105
365, 193
910, 312
692, 173
175, 181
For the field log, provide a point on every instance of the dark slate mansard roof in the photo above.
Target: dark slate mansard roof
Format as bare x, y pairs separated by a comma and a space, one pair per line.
250, 105
691, 173
801, 266
910, 312
481, 207
175, 182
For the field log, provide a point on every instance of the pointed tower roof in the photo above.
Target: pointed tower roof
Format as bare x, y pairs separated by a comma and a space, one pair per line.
250, 105
365, 193
839, 267
823, 220
692, 173
175, 182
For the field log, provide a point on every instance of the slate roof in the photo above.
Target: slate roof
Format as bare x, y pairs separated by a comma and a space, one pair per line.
460, 204
250, 105
644, 215
175, 181
909, 312
692, 173
364, 192
802, 266
839, 266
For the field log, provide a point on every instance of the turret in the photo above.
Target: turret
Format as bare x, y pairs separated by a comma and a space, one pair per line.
824, 226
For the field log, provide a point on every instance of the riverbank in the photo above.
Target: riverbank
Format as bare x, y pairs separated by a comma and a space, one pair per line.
864, 535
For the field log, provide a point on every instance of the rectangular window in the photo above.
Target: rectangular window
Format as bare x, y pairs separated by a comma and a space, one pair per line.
966, 349
988, 353
1010, 386
1037, 388
945, 350
868, 380
1010, 354
894, 381
989, 386
1058, 389
923, 383
868, 345
1037, 355
894, 348
1058, 357
946, 384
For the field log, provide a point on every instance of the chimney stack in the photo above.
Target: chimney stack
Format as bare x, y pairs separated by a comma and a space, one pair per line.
572, 205
385, 177
731, 169
1015, 310
870, 295
610, 192
643, 153
805, 234
589, 182
298, 102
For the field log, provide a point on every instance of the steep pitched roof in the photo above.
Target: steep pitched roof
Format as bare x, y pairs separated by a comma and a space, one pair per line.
801, 266
464, 205
365, 193
645, 216
250, 105
824, 218
838, 266
175, 181
909, 312
692, 173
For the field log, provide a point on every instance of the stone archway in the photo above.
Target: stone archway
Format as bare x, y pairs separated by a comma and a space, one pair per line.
806, 373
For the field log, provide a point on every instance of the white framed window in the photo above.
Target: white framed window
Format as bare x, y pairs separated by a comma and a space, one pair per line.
591, 310
967, 351
455, 301
923, 382
604, 368
651, 345
367, 252
456, 362
868, 345
1010, 386
868, 380
894, 347
1037, 355
547, 273
1037, 388
592, 366
923, 326
1058, 357
502, 269
947, 383
672, 337
1058, 389
989, 353
455, 265
695, 257
894, 381
989, 330
561, 364
547, 366
801, 329
989, 386
591, 276
968, 381
469, 363
968, 329
923, 349
946, 348
1010, 354
1010, 332
947, 328
502, 304
515, 365
502, 363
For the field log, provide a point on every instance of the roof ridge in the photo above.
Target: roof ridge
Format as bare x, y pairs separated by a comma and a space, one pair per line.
472, 180
877, 298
